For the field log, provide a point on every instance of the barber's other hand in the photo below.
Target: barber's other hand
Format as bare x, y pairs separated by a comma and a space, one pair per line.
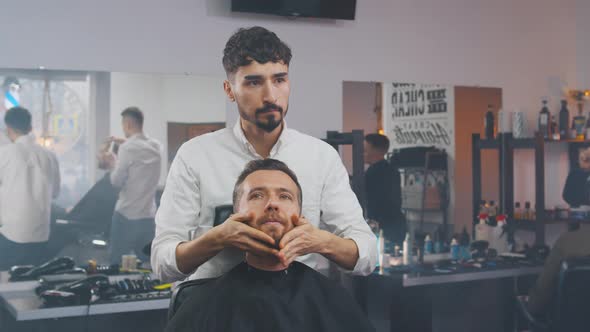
117, 140
237, 233
303, 239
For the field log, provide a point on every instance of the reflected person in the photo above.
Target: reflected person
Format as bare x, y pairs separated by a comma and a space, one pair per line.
135, 170
29, 181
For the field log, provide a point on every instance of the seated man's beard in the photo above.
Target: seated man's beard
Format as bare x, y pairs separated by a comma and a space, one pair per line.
271, 123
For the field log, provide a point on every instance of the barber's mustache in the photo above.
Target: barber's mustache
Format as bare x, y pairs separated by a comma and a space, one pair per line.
268, 108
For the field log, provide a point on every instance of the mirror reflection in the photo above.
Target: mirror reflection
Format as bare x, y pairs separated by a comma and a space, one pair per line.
95, 124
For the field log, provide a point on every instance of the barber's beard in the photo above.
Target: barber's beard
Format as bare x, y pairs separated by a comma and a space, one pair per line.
267, 122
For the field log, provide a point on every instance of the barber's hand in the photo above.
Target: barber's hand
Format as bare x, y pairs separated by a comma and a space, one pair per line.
236, 233
117, 140
303, 239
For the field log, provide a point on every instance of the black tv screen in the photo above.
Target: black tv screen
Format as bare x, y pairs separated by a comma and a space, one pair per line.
335, 9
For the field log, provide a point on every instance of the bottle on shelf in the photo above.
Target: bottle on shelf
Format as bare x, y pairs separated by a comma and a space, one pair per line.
564, 119
489, 123
464, 242
407, 254
455, 250
482, 230
579, 123
554, 129
492, 210
527, 213
438, 248
517, 211
428, 245
499, 235
545, 121
588, 127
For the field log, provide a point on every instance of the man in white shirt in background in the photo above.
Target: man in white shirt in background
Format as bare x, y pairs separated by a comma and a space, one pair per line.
135, 170
204, 170
29, 181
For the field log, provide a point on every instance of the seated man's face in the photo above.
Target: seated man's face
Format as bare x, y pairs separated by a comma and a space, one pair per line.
273, 198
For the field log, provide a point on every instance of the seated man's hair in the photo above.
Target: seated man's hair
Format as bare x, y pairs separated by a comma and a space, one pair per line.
378, 141
264, 165
19, 119
255, 43
134, 113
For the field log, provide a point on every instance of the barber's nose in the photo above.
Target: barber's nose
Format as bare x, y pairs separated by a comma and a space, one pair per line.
270, 93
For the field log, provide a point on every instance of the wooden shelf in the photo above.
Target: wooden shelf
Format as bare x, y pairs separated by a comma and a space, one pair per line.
530, 225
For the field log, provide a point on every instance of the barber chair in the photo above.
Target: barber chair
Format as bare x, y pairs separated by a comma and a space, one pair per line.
570, 310
182, 292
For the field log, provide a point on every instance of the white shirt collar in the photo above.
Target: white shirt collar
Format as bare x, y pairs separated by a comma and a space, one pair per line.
26, 139
239, 134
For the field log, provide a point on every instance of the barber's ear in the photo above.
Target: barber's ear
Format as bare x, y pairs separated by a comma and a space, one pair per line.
228, 90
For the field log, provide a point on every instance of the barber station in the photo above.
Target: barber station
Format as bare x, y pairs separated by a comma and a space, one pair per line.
311, 165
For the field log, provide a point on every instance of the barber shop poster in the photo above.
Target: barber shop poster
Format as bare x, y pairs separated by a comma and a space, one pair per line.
422, 115
419, 115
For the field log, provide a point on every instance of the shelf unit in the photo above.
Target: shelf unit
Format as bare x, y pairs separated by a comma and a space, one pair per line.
506, 144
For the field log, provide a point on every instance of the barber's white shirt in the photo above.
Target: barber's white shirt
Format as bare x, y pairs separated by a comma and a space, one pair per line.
29, 180
137, 173
203, 174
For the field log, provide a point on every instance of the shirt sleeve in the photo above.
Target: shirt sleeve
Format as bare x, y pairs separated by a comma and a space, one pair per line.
120, 173
371, 186
179, 207
343, 216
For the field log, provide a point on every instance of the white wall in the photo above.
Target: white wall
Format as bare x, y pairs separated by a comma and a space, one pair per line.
163, 99
525, 47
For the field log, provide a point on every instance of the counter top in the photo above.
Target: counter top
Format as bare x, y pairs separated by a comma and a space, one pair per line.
28, 306
20, 300
423, 275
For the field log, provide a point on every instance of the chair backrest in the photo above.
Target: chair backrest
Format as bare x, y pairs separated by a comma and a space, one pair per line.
572, 311
182, 292
222, 212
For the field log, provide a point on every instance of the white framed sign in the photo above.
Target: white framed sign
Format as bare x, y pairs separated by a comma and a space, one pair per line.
419, 115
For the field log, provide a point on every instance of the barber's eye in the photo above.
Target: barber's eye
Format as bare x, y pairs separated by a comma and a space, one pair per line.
285, 196
253, 83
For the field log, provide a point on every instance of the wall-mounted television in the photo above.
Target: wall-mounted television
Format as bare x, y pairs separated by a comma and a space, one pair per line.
333, 9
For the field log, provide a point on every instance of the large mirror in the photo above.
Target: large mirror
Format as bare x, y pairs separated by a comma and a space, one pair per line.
73, 112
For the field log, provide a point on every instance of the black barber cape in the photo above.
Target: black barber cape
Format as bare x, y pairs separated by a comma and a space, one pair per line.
246, 299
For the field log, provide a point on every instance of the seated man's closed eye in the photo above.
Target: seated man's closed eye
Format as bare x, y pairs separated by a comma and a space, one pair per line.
267, 292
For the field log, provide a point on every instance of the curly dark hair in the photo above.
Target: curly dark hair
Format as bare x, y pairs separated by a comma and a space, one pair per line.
255, 43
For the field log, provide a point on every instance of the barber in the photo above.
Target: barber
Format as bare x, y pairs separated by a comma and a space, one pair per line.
576, 191
202, 176
135, 171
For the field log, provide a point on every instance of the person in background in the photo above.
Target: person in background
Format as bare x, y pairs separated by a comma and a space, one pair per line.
260, 293
568, 245
576, 191
29, 181
135, 170
383, 188
201, 178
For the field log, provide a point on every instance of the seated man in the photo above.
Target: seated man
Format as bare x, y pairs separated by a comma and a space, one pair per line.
569, 245
261, 294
